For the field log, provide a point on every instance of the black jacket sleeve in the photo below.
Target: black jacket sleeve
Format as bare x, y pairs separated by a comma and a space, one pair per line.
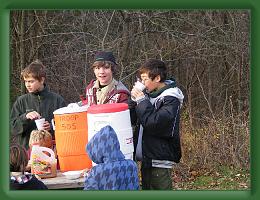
19, 123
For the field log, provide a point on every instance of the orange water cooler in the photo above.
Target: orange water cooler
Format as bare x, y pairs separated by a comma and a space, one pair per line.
71, 136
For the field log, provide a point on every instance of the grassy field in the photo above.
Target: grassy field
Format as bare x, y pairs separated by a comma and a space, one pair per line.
222, 178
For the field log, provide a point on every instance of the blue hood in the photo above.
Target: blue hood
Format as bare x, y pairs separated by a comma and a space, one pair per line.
104, 146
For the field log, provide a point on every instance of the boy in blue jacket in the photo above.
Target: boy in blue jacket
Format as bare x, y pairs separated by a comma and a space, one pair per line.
113, 171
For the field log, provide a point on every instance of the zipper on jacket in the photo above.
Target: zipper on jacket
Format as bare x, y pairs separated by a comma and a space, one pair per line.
39, 104
177, 113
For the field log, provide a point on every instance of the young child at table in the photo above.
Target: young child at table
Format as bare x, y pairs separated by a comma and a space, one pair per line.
19, 179
42, 138
113, 171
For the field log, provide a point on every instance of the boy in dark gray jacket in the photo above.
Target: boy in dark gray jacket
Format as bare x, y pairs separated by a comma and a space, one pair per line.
39, 102
157, 142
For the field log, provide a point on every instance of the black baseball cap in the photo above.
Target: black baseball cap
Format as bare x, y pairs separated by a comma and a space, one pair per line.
105, 56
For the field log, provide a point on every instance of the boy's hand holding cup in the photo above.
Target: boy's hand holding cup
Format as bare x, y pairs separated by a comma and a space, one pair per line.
137, 90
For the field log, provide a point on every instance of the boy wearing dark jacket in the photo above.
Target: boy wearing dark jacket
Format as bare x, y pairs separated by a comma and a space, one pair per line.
113, 171
157, 141
39, 102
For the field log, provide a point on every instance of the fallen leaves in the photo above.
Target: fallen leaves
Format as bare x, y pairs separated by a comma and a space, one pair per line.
231, 179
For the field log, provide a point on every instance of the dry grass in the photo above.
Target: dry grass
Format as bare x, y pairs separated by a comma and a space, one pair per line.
217, 143
221, 178
215, 156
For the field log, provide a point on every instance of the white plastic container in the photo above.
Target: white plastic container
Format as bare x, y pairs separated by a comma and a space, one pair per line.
116, 115
43, 162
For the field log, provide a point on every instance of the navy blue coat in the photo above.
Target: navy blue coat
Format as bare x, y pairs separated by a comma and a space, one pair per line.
160, 118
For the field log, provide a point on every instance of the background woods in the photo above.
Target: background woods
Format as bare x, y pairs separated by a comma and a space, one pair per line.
207, 52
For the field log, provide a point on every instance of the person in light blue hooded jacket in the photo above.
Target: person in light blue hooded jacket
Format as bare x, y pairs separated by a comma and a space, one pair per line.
113, 171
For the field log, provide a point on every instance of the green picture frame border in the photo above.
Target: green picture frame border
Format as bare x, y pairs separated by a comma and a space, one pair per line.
7, 5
